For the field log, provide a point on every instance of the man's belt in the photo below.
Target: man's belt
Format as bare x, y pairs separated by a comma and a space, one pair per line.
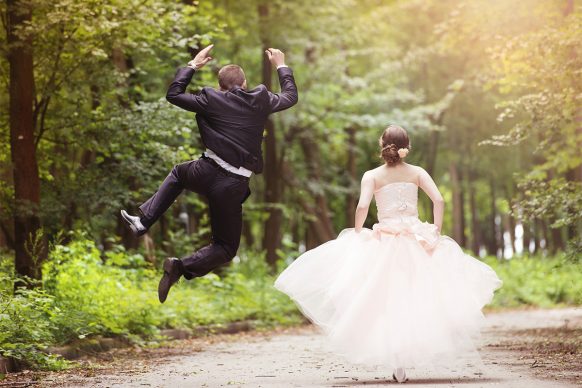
223, 171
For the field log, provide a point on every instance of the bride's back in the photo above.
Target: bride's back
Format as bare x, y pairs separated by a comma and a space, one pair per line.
402, 172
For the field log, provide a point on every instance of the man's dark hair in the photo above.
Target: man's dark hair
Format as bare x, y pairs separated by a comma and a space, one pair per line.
231, 76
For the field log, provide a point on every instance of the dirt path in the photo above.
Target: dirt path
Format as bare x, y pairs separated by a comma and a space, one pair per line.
298, 358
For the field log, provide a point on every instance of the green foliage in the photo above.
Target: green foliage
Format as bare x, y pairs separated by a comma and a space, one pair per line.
27, 321
463, 77
539, 282
100, 295
537, 72
87, 292
555, 199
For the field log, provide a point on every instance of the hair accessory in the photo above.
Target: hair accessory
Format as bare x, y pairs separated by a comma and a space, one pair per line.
402, 152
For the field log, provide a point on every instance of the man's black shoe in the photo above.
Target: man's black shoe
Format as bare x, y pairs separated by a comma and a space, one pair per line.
172, 273
134, 224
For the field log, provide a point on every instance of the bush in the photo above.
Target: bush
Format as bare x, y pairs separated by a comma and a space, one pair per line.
87, 292
26, 327
538, 281
100, 295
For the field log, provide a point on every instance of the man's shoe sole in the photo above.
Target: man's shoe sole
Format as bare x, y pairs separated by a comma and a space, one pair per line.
167, 267
132, 226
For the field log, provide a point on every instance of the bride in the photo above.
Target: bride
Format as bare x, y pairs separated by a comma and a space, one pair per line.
399, 295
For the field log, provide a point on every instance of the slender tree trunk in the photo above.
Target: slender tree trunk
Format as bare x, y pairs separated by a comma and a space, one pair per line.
537, 237
463, 220
458, 211
507, 225
3, 239
511, 225
311, 239
295, 232
476, 237
321, 208
247, 233
164, 230
124, 65
432, 150
317, 232
22, 142
272, 236
351, 170
510, 222
557, 240
492, 242
527, 237
545, 235
574, 175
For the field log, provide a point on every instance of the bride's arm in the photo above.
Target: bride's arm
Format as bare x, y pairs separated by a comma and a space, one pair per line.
427, 184
366, 194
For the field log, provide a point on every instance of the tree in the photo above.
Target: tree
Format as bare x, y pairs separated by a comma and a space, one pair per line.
22, 141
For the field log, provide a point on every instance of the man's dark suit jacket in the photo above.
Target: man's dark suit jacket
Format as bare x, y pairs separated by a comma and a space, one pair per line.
232, 123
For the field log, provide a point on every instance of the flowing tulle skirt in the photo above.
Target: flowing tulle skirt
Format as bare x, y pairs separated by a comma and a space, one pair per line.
398, 296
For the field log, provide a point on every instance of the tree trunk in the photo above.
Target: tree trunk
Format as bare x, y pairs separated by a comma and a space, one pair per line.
124, 65
492, 241
545, 235
247, 233
317, 232
527, 237
510, 221
22, 144
557, 240
458, 211
463, 218
272, 236
475, 227
432, 150
351, 169
311, 237
536, 236
321, 208
5, 240
575, 175
507, 224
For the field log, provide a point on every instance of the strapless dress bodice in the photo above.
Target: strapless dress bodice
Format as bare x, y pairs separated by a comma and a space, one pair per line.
397, 205
396, 200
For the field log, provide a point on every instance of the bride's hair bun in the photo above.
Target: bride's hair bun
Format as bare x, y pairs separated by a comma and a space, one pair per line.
390, 154
395, 144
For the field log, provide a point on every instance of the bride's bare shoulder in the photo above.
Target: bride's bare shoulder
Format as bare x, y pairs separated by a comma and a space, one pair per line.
412, 166
417, 171
415, 168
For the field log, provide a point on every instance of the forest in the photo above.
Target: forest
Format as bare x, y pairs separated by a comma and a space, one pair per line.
489, 91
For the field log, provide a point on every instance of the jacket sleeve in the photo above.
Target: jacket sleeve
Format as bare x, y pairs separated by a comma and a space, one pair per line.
177, 92
288, 96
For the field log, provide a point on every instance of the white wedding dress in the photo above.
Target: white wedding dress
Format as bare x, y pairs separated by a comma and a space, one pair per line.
400, 295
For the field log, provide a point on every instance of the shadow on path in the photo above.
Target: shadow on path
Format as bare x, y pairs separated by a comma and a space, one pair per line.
425, 381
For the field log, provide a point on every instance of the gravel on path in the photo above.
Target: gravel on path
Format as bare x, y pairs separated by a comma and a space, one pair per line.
299, 358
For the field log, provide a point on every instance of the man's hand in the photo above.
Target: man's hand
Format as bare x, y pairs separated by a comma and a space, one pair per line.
202, 58
276, 57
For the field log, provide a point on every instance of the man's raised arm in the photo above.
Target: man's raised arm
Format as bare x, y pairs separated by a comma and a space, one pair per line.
177, 91
288, 96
